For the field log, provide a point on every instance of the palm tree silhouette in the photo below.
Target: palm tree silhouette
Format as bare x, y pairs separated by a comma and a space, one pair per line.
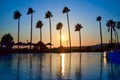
111, 26
48, 14
78, 27
31, 11
99, 19
16, 16
39, 24
66, 10
59, 27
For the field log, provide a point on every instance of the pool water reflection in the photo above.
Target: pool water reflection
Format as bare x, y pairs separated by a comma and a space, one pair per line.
53, 66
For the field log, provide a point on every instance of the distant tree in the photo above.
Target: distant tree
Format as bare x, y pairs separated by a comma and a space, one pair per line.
99, 18
7, 40
66, 10
16, 16
39, 24
59, 27
48, 15
31, 11
78, 27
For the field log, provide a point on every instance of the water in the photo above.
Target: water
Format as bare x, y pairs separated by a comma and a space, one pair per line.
53, 66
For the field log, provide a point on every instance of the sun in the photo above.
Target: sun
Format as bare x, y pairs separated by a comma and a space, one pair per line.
62, 37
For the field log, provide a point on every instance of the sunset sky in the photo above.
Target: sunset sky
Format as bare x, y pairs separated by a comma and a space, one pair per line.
81, 11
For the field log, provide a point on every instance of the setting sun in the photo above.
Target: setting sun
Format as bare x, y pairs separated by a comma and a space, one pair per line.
62, 37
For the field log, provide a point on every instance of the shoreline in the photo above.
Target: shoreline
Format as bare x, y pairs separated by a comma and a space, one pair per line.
53, 50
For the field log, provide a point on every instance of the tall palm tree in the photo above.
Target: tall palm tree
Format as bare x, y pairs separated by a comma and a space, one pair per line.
59, 27
16, 16
31, 11
78, 27
111, 26
39, 24
99, 20
48, 15
66, 10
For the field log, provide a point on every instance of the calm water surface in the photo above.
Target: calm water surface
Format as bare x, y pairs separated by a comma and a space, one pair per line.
53, 66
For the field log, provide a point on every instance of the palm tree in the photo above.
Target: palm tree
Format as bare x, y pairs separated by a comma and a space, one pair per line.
78, 27
99, 19
48, 14
39, 24
118, 27
111, 26
31, 11
16, 16
59, 27
66, 10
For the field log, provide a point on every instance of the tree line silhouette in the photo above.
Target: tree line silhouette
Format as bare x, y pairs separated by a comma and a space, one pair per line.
39, 24
112, 27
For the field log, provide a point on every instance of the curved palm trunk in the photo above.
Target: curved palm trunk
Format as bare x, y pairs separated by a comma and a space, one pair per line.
50, 32
40, 34
80, 39
60, 39
69, 31
18, 31
101, 36
31, 30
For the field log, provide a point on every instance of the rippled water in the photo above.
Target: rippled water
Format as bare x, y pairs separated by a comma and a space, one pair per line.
53, 66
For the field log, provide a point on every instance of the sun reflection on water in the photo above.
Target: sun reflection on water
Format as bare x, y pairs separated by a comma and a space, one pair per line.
104, 59
63, 64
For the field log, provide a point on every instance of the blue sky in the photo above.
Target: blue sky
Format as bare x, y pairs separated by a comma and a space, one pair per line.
81, 11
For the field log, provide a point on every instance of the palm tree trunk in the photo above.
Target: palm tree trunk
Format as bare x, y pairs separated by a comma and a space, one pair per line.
111, 34
18, 31
31, 30
60, 39
101, 36
69, 32
50, 33
40, 34
80, 39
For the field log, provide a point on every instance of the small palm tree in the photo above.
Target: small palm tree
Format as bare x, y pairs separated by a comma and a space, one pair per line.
59, 27
31, 11
66, 10
48, 15
111, 26
99, 19
39, 24
78, 27
16, 16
